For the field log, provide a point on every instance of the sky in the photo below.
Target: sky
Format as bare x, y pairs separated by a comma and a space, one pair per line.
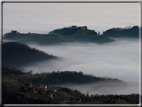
45, 17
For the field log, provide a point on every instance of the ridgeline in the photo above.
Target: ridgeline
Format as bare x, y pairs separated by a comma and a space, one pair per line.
64, 35
16, 54
73, 34
131, 32
26, 89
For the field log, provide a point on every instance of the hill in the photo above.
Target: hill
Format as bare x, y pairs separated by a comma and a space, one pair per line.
73, 30
23, 89
73, 34
61, 77
19, 95
16, 54
66, 34
132, 32
11, 71
52, 78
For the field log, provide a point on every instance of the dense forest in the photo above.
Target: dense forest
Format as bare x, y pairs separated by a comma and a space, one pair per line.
69, 34
59, 77
9, 71
132, 32
16, 54
73, 30
73, 34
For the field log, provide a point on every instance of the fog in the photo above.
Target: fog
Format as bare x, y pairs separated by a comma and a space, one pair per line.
104, 88
119, 59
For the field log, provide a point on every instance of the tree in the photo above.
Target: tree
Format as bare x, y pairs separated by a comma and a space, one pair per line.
98, 33
30, 72
80, 72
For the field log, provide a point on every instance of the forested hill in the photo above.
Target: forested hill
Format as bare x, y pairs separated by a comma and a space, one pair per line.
66, 34
73, 34
25, 89
11, 71
61, 77
132, 32
73, 30
15, 55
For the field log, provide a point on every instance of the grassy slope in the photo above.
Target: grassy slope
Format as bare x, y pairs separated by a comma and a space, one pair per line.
11, 95
62, 93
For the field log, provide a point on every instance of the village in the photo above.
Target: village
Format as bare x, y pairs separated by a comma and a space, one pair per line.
45, 90
24, 88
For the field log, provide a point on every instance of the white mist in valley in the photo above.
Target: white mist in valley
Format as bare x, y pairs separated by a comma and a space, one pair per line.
119, 59
104, 88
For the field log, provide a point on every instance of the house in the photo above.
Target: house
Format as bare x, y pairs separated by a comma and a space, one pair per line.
84, 27
75, 100
67, 100
17, 87
50, 95
28, 85
53, 90
44, 87
34, 89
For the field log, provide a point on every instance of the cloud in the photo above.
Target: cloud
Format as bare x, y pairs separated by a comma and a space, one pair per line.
119, 59
104, 88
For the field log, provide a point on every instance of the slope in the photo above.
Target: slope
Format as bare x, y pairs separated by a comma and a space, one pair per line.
16, 54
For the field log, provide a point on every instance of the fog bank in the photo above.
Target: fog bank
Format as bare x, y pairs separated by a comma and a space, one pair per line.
104, 88
119, 59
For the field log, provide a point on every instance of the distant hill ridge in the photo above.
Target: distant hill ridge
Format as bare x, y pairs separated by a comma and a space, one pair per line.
10, 71
132, 32
66, 34
62, 77
16, 54
73, 30
73, 34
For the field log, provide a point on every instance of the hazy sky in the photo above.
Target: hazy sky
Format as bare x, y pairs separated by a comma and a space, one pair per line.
44, 17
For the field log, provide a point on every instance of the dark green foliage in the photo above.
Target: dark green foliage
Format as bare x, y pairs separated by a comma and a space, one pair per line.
73, 30
66, 77
15, 55
67, 90
112, 99
69, 34
73, 34
24, 95
123, 32
13, 97
9, 71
